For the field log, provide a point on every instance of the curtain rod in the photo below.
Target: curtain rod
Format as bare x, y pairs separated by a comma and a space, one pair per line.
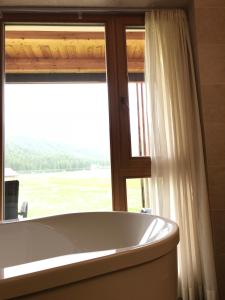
48, 9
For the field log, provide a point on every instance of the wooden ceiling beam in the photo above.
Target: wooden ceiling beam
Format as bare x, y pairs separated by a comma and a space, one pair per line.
59, 35
26, 65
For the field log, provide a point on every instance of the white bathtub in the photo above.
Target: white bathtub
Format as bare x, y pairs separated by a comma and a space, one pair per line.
88, 256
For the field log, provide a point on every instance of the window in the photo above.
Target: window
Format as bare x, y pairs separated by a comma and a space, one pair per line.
57, 146
69, 117
139, 123
138, 196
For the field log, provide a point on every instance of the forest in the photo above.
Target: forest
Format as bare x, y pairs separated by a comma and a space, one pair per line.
41, 156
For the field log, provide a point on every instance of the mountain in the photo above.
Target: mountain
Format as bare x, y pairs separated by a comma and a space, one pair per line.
30, 154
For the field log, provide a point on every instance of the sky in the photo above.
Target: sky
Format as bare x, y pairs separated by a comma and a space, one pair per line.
63, 113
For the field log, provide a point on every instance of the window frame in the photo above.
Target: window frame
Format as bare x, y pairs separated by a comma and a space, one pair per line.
123, 165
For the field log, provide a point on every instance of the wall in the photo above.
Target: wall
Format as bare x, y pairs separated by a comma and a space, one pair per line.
207, 20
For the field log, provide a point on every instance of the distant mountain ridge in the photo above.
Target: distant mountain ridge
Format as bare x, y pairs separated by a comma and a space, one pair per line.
30, 154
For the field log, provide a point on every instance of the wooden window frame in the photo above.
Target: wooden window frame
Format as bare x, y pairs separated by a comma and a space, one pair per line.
123, 165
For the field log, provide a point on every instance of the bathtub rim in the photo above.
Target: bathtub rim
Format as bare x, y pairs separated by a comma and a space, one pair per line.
62, 275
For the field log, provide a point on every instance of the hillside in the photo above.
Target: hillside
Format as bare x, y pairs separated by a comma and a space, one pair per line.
23, 154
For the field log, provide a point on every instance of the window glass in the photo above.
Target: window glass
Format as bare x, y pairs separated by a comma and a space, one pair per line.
139, 122
138, 194
57, 150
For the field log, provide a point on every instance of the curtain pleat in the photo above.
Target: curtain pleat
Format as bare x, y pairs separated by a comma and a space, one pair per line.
178, 183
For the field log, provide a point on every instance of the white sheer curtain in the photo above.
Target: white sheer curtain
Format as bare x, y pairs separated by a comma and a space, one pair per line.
178, 184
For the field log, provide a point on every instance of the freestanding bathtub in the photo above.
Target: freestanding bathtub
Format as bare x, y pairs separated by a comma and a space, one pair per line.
89, 256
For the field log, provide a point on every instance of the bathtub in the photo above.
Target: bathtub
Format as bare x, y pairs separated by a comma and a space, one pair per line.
96, 256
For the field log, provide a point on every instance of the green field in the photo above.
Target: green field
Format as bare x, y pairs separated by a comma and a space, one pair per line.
65, 192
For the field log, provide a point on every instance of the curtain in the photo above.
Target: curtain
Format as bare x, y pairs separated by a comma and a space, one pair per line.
178, 183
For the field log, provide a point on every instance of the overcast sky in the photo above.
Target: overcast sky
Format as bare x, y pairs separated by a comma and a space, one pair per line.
67, 113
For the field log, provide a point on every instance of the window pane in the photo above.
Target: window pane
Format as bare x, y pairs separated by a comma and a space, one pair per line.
139, 122
138, 194
57, 134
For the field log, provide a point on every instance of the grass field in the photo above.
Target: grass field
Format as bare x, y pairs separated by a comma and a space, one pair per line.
64, 192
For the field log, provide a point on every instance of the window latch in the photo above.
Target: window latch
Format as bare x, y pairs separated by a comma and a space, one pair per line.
124, 101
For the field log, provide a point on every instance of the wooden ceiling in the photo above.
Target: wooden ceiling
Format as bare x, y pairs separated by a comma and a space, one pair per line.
65, 51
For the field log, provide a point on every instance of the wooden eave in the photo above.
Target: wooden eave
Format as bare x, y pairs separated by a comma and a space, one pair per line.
65, 52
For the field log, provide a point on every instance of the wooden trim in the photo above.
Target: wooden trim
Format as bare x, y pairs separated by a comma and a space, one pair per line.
57, 17
130, 167
23, 65
137, 167
48, 64
54, 35
118, 187
125, 145
2, 42
58, 35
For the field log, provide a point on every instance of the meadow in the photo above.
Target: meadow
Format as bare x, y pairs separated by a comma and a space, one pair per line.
77, 191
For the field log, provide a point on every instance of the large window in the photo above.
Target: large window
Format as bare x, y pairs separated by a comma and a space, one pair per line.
60, 158
75, 136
